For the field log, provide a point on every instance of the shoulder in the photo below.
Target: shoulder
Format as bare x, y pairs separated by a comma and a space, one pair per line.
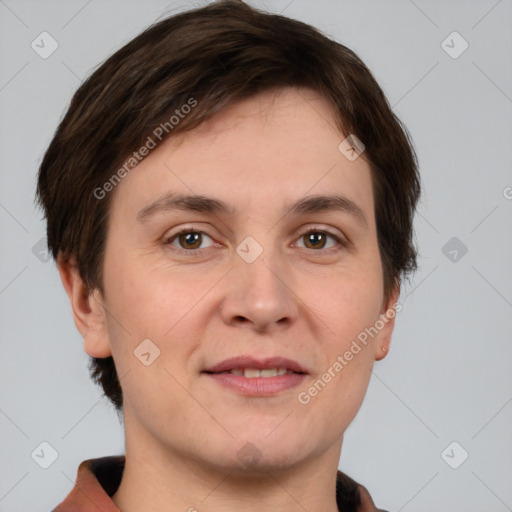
352, 496
367, 501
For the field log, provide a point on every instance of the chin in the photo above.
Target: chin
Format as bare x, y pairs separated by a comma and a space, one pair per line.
268, 449
250, 460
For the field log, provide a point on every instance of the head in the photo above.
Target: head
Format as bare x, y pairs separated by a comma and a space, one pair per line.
229, 103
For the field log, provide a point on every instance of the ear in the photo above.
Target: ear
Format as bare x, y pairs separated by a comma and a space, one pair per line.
387, 315
88, 310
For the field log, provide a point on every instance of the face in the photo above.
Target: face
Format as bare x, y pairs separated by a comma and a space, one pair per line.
249, 274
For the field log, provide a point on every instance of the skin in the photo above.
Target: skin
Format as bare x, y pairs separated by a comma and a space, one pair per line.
305, 301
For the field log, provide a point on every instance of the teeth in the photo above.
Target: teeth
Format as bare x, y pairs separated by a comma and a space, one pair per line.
252, 372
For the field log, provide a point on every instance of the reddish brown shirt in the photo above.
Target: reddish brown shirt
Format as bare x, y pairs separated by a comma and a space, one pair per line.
98, 479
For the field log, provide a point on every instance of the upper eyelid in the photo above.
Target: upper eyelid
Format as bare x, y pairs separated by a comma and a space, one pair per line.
313, 227
340, 238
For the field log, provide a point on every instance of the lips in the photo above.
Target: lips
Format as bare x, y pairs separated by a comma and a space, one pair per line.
258, 364
254, 381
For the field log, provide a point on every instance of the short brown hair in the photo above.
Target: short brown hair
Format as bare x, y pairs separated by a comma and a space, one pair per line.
217, 54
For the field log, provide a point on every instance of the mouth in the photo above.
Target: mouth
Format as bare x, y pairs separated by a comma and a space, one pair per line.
257, 377
251, 373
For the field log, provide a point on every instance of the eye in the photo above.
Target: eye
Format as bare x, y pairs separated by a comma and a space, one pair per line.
316, 239
188, 240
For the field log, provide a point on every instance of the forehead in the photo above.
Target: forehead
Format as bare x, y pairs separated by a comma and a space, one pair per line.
271, 148
280, 118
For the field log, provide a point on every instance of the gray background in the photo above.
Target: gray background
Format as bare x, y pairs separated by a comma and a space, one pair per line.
447, 377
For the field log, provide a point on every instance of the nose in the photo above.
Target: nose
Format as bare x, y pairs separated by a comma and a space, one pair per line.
259, 295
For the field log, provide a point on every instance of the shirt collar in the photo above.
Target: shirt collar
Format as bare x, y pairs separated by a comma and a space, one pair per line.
98, 479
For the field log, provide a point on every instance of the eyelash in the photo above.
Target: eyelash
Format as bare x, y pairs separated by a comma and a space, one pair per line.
342, 243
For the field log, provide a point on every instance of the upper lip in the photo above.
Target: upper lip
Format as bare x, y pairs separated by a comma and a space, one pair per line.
259, 364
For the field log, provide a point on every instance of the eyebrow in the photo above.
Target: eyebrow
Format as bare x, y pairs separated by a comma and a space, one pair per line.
199, 203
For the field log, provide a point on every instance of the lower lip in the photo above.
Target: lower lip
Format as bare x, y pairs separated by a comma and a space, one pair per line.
258, 386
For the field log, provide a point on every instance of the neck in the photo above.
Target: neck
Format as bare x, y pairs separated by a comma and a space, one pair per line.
164, 479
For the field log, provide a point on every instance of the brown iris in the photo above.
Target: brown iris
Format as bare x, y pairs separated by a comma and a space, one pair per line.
190, 238
315, 237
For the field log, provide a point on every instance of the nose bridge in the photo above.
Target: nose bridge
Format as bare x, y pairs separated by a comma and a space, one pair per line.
258, 293
262, 276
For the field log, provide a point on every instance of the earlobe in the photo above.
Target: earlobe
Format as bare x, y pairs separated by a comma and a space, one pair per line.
387, 316
88, 310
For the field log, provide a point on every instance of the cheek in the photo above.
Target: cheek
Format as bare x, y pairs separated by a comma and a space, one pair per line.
349, 307
147, 303
149, 300
349, 303
144, 308
343, 382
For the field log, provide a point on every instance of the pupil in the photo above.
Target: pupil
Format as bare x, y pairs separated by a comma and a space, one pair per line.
191, 238
312, 236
